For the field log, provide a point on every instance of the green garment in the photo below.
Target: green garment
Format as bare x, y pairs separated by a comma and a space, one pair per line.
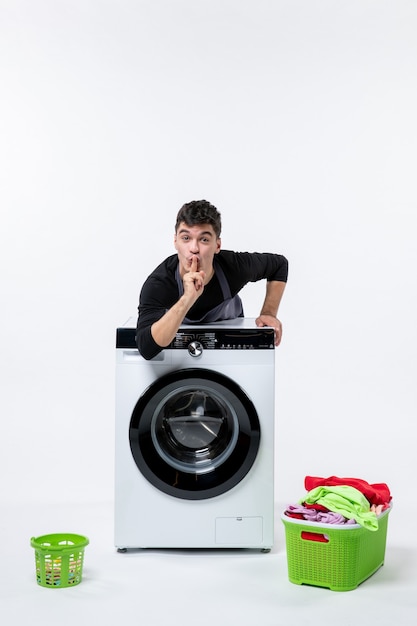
346, 500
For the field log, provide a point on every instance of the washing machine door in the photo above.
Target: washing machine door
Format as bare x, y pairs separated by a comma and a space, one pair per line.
194, 434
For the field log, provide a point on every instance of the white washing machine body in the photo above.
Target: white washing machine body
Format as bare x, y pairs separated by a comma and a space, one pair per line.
194, 456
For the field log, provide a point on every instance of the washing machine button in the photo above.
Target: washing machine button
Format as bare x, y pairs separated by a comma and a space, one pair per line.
195, 348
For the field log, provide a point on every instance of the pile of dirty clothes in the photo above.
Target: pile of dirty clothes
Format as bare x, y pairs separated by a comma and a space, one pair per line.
335, 500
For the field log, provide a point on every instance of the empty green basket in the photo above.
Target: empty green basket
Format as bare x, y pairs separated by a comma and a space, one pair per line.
59, 559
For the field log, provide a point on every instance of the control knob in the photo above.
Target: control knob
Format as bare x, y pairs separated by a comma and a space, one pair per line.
195, 348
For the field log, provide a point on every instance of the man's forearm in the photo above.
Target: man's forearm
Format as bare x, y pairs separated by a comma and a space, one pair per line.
274, 292
164, 330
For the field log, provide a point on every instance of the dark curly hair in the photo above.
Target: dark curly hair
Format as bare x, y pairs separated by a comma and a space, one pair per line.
199, 212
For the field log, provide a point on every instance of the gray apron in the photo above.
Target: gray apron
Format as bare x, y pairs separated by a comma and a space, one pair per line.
229, 309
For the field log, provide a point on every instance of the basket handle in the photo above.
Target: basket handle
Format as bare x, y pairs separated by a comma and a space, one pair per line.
309, 536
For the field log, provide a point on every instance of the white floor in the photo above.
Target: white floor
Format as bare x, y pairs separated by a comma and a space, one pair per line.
162, 587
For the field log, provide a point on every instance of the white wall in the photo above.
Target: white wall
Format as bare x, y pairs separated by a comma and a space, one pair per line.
296, 118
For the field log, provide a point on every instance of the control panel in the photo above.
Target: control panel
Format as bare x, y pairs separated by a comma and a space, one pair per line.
222, 339
209, 339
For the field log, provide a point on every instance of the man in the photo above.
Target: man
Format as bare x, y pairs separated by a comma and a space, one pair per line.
200, 284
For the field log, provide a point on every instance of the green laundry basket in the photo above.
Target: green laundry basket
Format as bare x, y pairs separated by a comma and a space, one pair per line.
59, 559
337, 556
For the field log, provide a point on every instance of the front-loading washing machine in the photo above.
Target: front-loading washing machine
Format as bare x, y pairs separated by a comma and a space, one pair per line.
194, 456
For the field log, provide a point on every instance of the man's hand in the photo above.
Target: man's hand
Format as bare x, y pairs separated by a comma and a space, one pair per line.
193, 281
269, 310
270, 320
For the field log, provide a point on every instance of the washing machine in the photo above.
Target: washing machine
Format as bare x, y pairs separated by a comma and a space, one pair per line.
194, 456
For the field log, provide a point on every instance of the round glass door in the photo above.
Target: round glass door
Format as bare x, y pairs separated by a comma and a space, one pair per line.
194, 433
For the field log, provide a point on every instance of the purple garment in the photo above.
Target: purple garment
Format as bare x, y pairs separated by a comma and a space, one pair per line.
312, 515
331, 518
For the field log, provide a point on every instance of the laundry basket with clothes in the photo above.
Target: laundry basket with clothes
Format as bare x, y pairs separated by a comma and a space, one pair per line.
336, 533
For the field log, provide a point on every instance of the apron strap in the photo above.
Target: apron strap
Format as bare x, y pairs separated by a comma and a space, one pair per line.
230, 308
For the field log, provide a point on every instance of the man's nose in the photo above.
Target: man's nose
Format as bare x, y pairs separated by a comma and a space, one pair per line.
194, 247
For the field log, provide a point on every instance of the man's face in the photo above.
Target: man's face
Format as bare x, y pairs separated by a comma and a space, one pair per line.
198, 241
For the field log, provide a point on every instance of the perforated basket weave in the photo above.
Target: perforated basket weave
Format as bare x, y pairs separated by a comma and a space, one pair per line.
59, 559
338, 557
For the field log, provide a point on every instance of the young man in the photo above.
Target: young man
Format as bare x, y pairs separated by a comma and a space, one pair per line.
200, 284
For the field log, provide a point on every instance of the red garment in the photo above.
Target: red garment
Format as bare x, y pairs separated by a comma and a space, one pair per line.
308, 536
378, 493
316, 506
294, 515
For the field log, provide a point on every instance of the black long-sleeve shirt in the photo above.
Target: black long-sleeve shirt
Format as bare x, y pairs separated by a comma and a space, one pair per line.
160, 290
